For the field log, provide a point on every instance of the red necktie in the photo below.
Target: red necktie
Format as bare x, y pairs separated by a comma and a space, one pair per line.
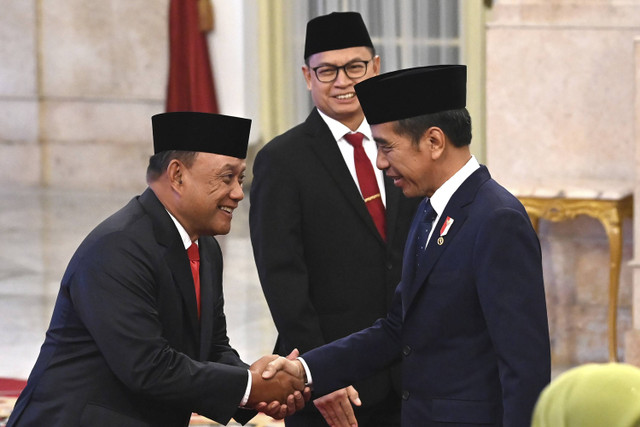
368, 183
194, 259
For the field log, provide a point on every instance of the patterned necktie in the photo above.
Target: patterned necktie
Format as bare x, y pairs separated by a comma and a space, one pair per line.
194, 260
424, 227
368, 183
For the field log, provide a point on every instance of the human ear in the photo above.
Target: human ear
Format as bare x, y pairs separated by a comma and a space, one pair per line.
376, 65
306, 73
174, 173
436, 141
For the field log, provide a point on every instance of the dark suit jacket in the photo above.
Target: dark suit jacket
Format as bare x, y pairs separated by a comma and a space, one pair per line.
323, 266
471, 325
125, 347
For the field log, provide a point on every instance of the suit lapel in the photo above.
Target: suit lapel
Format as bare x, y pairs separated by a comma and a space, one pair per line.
208, 282
175, 256
178, 262
435, 250
409, 260
324, 146
456, 209
393, 195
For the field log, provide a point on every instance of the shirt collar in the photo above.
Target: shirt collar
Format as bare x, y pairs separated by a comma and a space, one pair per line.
184, 236
338, 130
442, 195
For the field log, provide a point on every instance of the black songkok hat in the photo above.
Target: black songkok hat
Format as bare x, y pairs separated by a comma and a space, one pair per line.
413, 92
337, 30
204, 132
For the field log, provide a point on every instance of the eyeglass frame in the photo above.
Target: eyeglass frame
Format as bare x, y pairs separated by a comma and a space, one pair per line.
343, 68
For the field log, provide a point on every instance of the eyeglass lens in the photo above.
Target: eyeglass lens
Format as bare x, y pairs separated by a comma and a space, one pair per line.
353, 70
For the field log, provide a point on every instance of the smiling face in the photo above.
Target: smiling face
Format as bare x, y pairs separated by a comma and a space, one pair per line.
337, 99
209, 192
413, 167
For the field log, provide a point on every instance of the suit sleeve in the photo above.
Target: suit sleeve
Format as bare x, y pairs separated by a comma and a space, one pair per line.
276, 236
114, 294
511, 292
359, 355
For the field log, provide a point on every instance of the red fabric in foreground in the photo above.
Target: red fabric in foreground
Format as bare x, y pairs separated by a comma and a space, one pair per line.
191, 86
11, 387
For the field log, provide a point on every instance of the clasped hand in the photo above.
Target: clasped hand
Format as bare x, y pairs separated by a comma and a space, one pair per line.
283, 388
335, 407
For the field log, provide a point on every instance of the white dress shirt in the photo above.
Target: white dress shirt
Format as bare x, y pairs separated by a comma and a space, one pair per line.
442, 195
338, 130
186, 241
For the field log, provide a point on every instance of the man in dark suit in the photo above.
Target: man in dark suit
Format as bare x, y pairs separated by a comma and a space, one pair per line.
138, 333
327, 249
469, 316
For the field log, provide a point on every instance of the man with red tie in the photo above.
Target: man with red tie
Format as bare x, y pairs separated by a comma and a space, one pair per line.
138, 333
327, 228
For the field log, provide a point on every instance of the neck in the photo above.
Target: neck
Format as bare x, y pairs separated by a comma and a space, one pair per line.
456, 159
170, 200
354, 123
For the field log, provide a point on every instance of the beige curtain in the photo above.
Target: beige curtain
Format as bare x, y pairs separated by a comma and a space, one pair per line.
276, 89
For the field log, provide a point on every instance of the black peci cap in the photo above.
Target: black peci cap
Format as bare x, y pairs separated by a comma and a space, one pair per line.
337, 30
413, 92
204, 132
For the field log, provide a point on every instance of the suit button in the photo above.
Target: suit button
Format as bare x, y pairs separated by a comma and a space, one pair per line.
405, 395
389, 265
406, 350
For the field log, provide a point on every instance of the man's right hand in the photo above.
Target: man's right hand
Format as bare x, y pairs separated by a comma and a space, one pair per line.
277, 388
278, 385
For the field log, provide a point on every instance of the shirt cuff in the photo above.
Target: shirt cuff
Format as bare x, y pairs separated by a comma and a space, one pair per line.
247, 391
307, 372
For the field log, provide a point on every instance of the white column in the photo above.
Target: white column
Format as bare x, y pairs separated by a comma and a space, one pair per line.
632, 337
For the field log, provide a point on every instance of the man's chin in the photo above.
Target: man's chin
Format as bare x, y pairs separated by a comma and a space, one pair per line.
221, 230
410, 192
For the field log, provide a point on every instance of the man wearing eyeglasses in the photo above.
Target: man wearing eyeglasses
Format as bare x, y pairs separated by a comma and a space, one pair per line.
328, 229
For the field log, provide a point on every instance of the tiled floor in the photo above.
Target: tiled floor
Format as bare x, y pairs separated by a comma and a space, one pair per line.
41, 228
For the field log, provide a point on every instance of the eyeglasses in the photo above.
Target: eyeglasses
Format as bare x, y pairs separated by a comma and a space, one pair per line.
353, 70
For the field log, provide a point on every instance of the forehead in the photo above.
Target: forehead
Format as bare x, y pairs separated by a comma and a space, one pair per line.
386, 135
384, 131
340, 56
217, 162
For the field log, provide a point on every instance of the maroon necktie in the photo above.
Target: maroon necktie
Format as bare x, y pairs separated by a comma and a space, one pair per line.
194, 260
368, 183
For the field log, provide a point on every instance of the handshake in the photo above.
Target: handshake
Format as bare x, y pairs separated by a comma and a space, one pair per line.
280, 381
